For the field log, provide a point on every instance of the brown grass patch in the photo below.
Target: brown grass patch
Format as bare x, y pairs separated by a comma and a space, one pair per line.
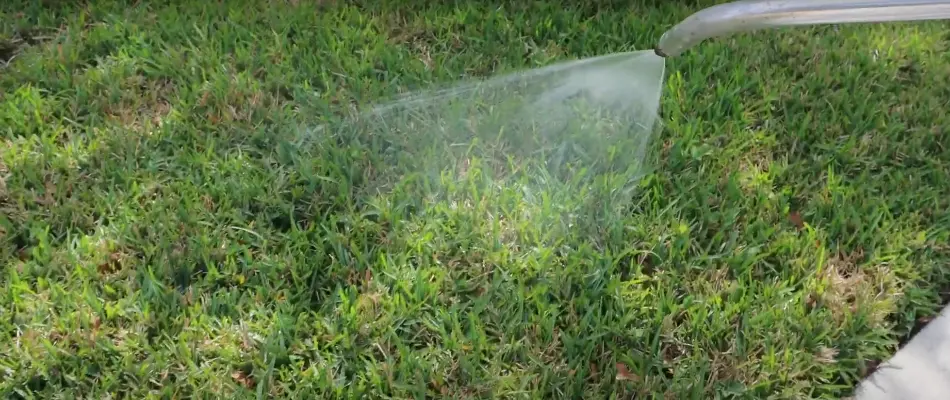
145, 104
850, 289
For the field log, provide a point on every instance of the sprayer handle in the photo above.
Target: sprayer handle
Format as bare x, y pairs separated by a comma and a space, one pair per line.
749, 15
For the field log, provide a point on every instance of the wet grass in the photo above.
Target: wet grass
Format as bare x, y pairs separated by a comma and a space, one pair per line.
160, 238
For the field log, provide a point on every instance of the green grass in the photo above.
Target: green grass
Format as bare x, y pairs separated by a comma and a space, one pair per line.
162, 237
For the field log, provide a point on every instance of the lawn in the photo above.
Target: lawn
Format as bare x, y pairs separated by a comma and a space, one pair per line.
163, 234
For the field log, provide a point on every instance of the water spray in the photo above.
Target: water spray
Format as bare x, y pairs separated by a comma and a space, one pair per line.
567, 141
749, 15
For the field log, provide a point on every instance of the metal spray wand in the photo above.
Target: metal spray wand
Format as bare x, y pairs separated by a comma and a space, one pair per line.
749, 15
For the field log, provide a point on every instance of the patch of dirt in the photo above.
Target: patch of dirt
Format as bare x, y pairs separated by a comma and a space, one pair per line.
11, 47
8, 49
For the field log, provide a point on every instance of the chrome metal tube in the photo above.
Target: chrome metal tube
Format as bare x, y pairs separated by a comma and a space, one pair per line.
749, 15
